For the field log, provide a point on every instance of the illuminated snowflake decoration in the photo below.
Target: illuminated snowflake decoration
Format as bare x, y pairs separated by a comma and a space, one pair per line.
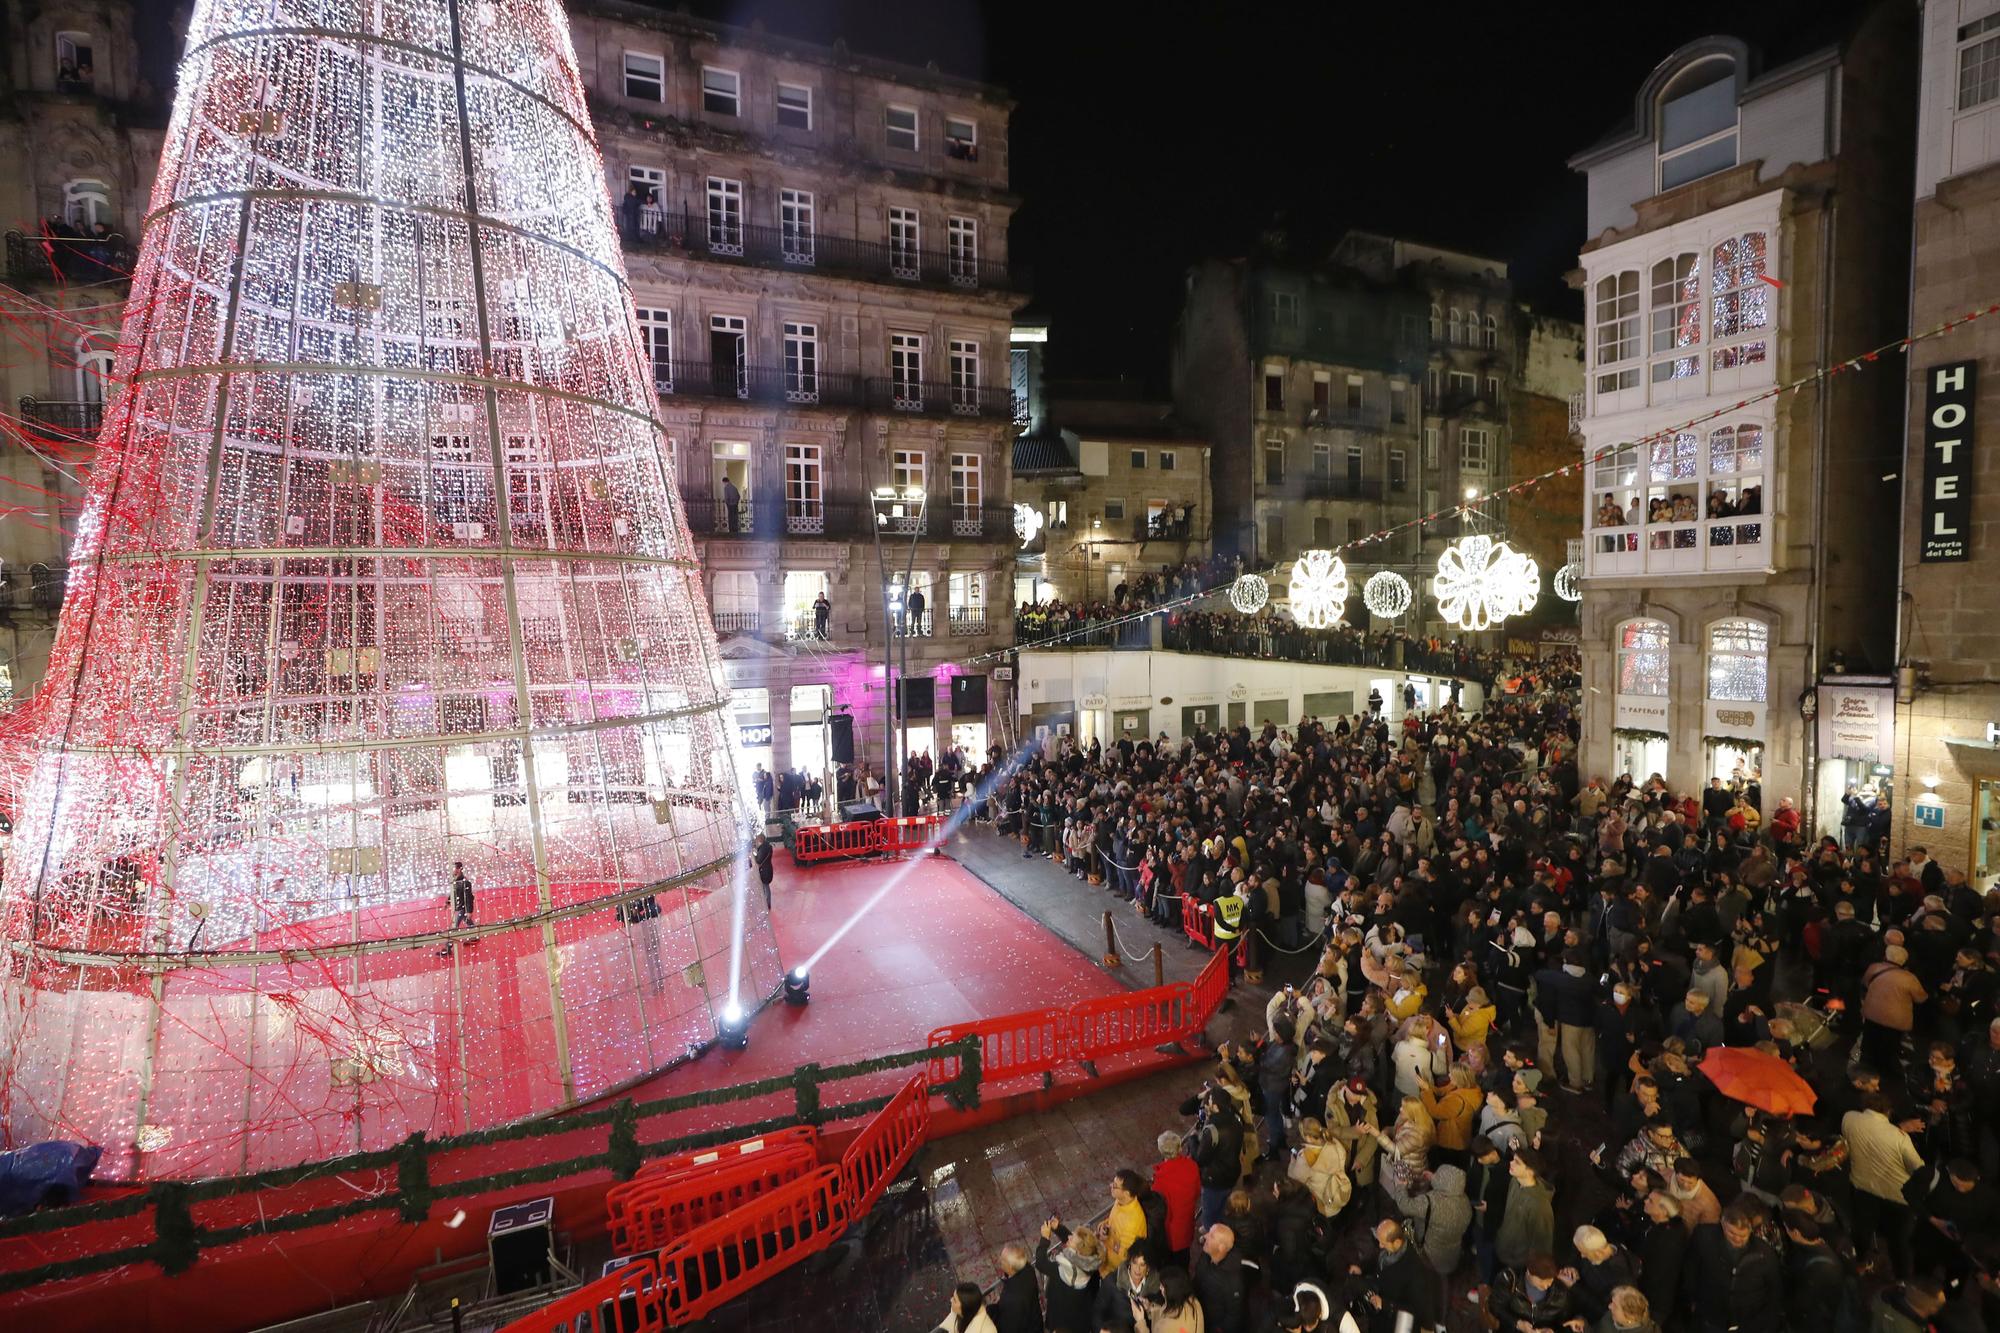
1566, 582
1027, 523
1318, 589
1481, 583
1387, 594
1249, 593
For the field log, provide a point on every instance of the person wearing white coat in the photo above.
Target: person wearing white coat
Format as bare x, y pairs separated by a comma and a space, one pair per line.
1420, 1060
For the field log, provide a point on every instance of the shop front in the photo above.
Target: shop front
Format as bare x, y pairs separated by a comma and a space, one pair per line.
1856, 720
1639, 735
1734, 734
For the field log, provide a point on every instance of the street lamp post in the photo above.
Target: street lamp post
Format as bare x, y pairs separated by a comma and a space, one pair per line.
893, 505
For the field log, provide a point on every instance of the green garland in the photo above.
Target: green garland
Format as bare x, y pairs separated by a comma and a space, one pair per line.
624, 1148
1639, 734
1740, 742
413, 1178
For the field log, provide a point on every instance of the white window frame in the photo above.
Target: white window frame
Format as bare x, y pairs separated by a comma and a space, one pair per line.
906, 236
782, 109
1616, 338
1490, 334
1169, 460
1738, 639
906, 370
1676, 313
656, 338
1399, 470
1433, 447
1357, 463
805, 488
968, 485
1455, 326
1461, 383
740, 326
1273, 373
1137, 458
76, 41
797, 218
94, 362
961, 147
1636, 640
1979, 40
1322, 460
734, 96
653, 179
1662, 156
1356, 397
87, 203
658, 78
801, 341
914, 129
725, 215
1748, 301
1114, 509
963, 368
907, 470
1274, 446
1475, 450
1285, 309
1437, 323
962, 249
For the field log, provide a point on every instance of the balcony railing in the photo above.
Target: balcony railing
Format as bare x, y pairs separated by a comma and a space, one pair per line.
63, 417
711, 517
803, 626
772, 516
34, 588
33, 257
967, 621
959, 400
1342, 488
738, 622
758, 384
811, 251
910, 625
1160, 528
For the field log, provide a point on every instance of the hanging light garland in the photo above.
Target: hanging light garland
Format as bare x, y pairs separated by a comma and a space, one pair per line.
1027, 523
1318, 589
1387, 594
1481, 583
1249, 593
1566, 582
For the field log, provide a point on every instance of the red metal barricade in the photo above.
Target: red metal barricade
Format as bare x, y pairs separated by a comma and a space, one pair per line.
723, 1154
912, 833
886, 1146
1196, 921
626, 1300
671, 1206
1130, 1022
826, 842
1011, 1046
715, 1263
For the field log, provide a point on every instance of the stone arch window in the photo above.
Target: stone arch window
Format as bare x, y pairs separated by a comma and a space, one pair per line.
1643, 658
1437, 324
75, 61
1697, 122
1490, 336
87, 203
94, 359
1739, 660
1456, 325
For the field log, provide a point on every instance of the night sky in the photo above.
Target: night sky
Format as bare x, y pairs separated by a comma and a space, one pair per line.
1151, 135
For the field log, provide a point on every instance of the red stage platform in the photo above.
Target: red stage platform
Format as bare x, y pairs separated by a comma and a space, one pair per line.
940, 948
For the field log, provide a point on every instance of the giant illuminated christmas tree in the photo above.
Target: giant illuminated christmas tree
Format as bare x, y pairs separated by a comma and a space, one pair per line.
381, 570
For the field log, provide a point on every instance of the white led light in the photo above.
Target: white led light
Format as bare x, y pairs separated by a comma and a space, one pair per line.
1566, 582
1249, 593
1387, 594
1318, 589
1481, 583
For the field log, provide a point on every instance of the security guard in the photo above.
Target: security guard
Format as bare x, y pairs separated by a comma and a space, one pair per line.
1229, 919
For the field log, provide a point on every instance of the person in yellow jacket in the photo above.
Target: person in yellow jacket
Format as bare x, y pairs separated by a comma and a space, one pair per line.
1456, 1109
1127, 1223
1470, 1025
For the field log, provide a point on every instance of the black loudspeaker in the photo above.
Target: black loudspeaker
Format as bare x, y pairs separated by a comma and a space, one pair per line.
968, 696
843, 737
520, 1240
858, 812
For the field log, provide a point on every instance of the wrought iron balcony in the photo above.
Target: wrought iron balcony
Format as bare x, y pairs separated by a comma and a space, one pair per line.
959, 400
710, 516
1342, 488
908, 625
37, 588
757, 384
703, 237
1160, 528
34, 257
55, 417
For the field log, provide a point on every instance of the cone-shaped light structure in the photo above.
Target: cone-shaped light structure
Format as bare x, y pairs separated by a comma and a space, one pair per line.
381, 571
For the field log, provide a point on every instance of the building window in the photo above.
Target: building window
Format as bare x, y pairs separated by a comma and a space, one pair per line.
1058, 516
1615, 331
962, 249
1475, 449
905, 236
1464, 386
801, 362
1167, 460
1431, 448
1455, 325
1493, 389
1322, 532
965, 484
964, 375
902, 127
795, 106
725, 216
906, 369
645, 77
1322, 394
1676, 317
1437, 324
961, 139
1698, 123
721, 91
1739, 661
1742, 305
733, 596
1978, 62
1354, 464
1357, 531
906, 472
1354, 386
93, 370
649, 183
1642, 658
1139, 460
965, 591
73, 61
1399, 470
87, 203
1114, 509
1322, 460
1735, 485
656, 337
795, 226
805, 498
1490, 335
729, 353
1274, 462
1285, 309
1274, 391
1399, 402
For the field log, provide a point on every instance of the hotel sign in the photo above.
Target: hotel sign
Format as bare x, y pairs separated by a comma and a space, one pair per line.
1948, 461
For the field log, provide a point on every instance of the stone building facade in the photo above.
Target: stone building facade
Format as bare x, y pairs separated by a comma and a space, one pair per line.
79, 144
1949, 638
1346, 397
1741, 239
817, 246
1543, 413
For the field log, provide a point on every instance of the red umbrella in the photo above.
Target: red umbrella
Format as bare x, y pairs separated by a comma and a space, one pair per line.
1748, 1075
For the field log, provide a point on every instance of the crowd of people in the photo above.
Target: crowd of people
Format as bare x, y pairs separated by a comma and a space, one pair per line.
1533, 1078
1096, 622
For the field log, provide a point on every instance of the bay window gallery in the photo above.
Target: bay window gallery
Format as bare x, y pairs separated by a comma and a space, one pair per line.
1688, 501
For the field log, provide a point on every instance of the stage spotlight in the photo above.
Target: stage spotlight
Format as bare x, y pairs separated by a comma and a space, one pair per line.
733, 1028
798, 986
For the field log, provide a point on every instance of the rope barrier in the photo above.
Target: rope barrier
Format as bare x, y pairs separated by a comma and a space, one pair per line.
1526, 483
